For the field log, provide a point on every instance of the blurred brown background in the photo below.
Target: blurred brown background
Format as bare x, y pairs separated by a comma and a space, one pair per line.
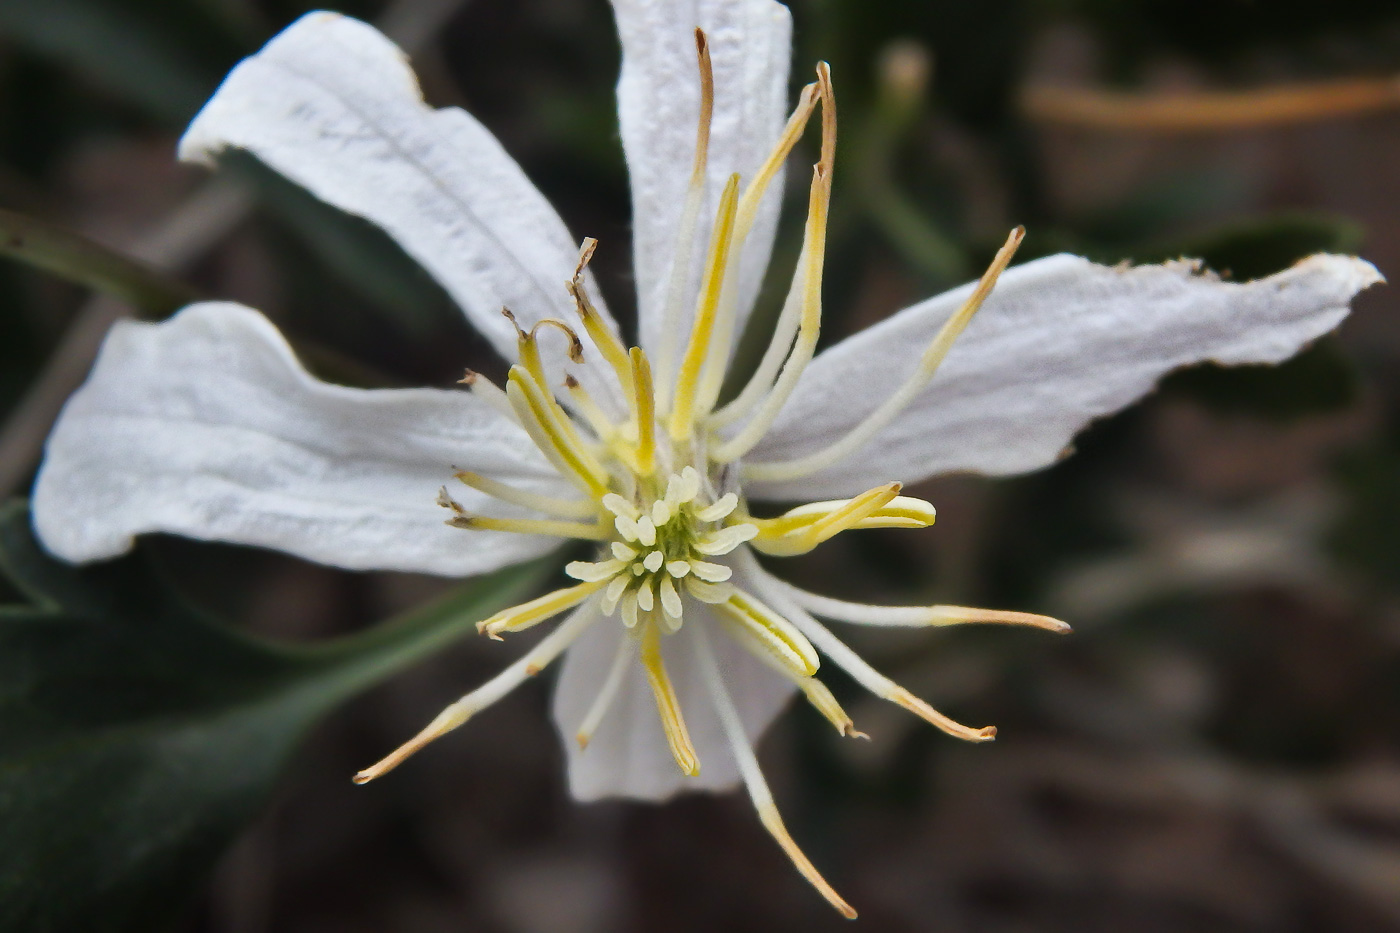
1216, 748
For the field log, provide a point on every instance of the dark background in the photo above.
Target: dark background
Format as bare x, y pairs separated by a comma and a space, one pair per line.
1217, 747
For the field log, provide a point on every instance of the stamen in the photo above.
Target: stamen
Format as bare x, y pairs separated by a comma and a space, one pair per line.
814, 257
671, 599
702, 331
531, 663
575, 508
774, 633
604, 701
720, 347
905, 394
488, 392
685, 230
721, 542
461, 518
667, 705
817, 693
532, 526
525, 615
604, 339
590, 572
805, 537
913, 616
856, 666
710, 573
645, 406
613, 594
711, 593
554, 434
719, 510
592, 412
758, 790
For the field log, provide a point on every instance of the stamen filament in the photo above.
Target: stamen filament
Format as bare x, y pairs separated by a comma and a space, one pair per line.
806, 537
677, 736
757, 787
533, 526
592, 412
817, 693
554, 434
702, 331
749, 202
899, 512
568, 508
607, 693
490, 393
531, 663
772, 632
526, 615
913, 616
902, 397
810, 271
858, 668
644, 405
685, 230
607, 342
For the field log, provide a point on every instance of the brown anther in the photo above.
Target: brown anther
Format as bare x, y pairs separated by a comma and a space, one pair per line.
575, 345
469, 379
569, 381
585, 254
510, 316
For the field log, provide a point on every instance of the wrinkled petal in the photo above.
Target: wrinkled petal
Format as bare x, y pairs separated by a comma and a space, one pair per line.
628, 755
333, 105
658, 107
1060, 342
207, 426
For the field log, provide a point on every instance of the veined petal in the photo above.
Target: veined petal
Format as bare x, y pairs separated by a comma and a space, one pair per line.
1060, 342
658, 106
628, 756
207, 426
333, 105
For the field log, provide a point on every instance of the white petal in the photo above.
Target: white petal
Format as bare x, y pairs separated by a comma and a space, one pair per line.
628, 755
207, 426
658, 106
1060, 342
333, 105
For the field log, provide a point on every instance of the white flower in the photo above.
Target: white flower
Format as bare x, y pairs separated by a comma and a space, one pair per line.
680, 647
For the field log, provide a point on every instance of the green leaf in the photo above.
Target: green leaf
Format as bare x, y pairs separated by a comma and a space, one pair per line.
137, 737
78, 259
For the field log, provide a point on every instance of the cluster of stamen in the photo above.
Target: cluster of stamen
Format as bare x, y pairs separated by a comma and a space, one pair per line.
662, 552
651, 462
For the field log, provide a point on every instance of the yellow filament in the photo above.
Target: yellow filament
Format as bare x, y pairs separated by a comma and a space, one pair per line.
771, 633
677, 736
683, 410
645, 406
809, 326
933, 355
685, 230
569, 508
544, 652
553, 433
534, 526
899, 512
592, 412
806, 537
523, 616
718, 361
807, 333
604, 339
963, 615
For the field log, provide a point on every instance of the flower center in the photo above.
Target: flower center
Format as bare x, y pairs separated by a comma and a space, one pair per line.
664, 541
